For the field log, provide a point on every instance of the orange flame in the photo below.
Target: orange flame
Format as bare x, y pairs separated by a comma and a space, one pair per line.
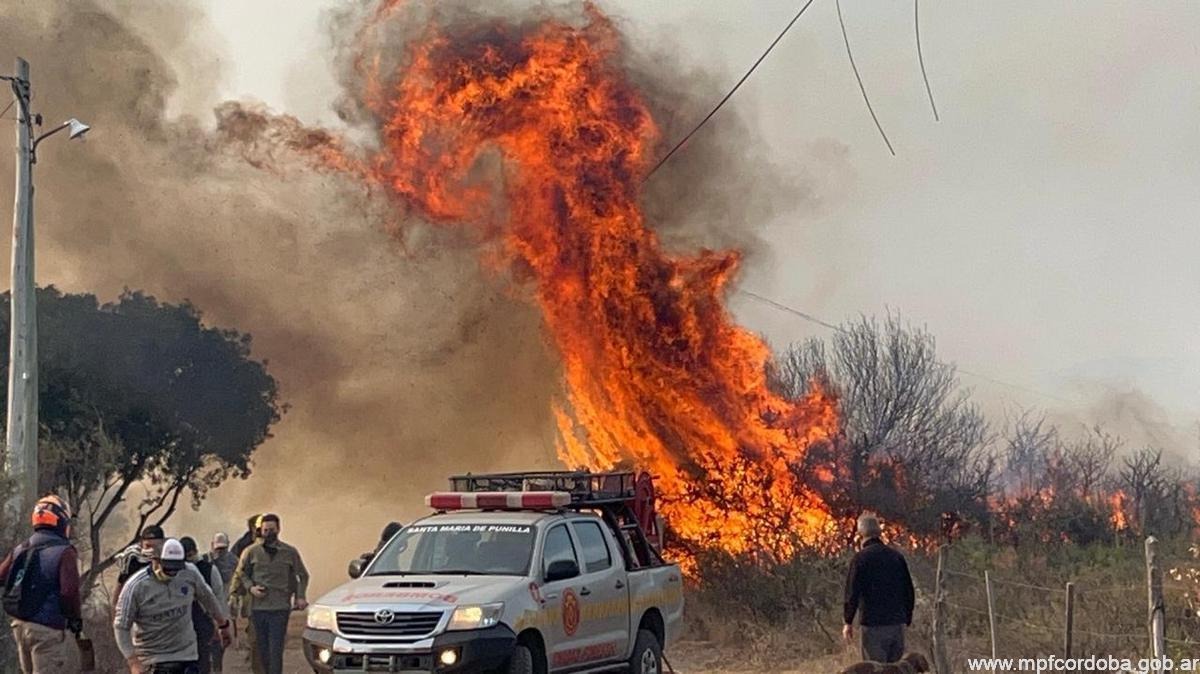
1118, 502
657, 374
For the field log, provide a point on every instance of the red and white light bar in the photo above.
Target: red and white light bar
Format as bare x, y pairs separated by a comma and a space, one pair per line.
497, 500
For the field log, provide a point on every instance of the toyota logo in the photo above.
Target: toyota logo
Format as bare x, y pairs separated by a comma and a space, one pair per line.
384, 617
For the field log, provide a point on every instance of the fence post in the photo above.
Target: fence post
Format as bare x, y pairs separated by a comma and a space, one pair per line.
1157, 607
941, 663
987, 583
1070, 620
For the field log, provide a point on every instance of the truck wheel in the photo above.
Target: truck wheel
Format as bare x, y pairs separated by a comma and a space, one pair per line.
521, 661
647, 654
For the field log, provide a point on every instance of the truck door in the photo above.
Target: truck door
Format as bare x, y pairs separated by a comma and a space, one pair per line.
560, 597
604, 594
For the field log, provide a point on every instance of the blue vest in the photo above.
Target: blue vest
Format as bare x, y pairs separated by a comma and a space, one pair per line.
50, 613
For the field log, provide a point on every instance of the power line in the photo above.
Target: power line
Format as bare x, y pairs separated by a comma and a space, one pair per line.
731, 91
837, 328
921, 58
783, 307
863, 89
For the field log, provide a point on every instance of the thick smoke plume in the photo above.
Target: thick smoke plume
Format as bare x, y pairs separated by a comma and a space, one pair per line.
402, 361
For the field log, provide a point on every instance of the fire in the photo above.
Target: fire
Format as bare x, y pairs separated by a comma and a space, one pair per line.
1118, 502
534, 131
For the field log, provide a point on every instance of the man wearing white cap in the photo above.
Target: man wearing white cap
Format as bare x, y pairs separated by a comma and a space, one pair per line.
225, 563
221, 558
153, 623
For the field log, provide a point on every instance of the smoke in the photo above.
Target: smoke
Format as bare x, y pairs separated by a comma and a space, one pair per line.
399, 368
1127, 411
402, 360
719, 188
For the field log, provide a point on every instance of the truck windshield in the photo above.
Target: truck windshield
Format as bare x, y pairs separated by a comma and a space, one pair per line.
452, 549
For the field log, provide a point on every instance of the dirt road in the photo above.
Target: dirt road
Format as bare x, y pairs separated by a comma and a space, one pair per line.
687, 658
237, 661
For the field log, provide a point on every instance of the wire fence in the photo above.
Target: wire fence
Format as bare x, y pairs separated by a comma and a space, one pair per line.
1110, 615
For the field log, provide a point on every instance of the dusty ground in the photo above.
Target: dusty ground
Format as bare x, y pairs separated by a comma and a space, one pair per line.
689, 657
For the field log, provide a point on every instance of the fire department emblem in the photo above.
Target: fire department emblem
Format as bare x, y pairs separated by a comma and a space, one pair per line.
570, 612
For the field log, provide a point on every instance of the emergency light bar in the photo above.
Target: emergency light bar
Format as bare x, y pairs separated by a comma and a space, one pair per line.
525, 500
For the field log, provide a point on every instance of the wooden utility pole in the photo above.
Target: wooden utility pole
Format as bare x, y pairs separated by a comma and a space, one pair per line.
941, 662
1070, 626
21, 457
987, 583
1158, 611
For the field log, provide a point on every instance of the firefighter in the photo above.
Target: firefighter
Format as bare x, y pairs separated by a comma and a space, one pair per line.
40, 578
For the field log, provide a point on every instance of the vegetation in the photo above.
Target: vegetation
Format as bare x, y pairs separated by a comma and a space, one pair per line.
141, 407
1035, 504
918, 451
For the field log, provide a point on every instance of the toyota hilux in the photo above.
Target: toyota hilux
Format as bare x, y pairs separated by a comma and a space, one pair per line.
517, 573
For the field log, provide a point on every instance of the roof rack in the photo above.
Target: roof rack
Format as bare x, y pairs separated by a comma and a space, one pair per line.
585, 488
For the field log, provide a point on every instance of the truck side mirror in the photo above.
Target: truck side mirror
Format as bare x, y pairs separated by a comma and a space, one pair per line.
562, 569
357, 565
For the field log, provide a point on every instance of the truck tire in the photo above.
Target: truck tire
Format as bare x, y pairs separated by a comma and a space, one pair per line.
647, 654
521, 661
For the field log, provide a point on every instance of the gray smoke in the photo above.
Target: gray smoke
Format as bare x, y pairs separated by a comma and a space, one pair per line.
402, 361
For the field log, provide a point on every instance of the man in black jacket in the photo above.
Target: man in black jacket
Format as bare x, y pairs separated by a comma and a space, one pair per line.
879, 584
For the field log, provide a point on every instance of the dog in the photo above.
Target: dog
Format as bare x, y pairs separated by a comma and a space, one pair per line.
911, 663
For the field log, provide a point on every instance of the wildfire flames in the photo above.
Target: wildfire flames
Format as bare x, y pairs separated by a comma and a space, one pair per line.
1118, 502
534, 132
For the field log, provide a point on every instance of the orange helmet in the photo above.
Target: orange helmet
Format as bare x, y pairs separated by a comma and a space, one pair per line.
51, 512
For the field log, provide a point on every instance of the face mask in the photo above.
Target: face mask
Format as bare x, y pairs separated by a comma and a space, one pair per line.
163, 575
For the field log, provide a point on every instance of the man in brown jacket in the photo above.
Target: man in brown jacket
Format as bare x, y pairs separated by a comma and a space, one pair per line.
273, 576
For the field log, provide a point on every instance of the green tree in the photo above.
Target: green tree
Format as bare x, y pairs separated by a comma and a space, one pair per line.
141, 403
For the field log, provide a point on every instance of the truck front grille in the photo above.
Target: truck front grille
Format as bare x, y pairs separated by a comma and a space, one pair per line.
385, 625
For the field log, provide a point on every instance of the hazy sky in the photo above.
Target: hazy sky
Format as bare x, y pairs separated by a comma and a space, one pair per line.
1045, 230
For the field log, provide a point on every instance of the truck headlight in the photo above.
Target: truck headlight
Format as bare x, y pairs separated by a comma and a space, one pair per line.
476, 616
320, 618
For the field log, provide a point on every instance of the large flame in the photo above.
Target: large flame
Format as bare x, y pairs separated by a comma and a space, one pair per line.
534, 132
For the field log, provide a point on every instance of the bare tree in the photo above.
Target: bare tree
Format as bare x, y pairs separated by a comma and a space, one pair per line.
1029, 443
1156, 491
913, 444
1091, 459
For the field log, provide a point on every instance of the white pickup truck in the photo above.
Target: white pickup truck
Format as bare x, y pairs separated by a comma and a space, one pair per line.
518, 573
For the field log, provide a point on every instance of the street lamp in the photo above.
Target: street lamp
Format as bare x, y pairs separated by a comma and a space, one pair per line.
77, 128
21, 425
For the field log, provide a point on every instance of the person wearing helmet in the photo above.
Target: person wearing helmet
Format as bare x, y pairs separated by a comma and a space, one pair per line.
153, 624
225, 564
40, 578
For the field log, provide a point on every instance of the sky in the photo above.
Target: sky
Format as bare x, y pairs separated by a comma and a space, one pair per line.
1044, 230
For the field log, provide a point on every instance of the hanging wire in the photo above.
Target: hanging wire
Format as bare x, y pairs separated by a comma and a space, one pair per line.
732, 91
857, 76
921, 58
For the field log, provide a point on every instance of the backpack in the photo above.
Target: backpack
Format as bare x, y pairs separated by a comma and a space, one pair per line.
25, 590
